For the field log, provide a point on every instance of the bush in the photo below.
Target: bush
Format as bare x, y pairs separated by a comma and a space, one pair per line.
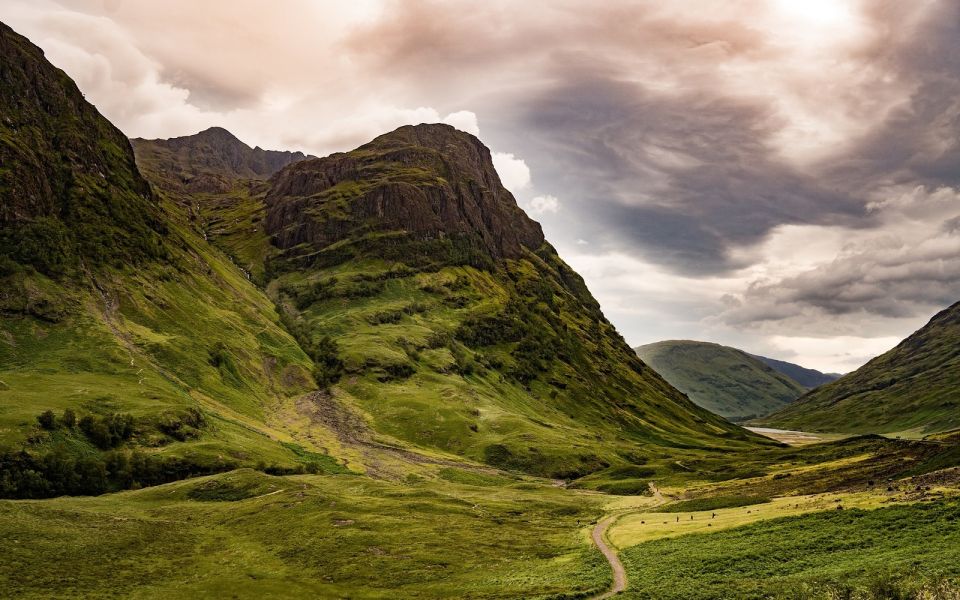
58, 473
47, 420
69, 418
108, 431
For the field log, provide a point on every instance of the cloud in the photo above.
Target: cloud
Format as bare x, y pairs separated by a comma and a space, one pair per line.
464, 120
544, 204
513, 171
777, 168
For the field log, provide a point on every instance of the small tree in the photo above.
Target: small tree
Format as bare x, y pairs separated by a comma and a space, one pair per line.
69, 418
47, 420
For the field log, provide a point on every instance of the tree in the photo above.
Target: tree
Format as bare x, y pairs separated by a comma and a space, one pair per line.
47, 420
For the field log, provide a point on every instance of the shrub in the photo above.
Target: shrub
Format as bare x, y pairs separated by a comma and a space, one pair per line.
47, 420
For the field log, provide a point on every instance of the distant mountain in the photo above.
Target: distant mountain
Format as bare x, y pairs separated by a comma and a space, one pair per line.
724, 380
808, 378
208, 162
915, 386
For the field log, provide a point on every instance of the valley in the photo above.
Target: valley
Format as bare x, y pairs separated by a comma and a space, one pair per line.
234, 372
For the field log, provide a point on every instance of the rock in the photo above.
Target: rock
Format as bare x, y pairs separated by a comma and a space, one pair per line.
425, 182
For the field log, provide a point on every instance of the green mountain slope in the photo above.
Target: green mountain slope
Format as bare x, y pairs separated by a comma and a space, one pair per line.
913, 388
113, 306
434, 307
808, 378
724, 380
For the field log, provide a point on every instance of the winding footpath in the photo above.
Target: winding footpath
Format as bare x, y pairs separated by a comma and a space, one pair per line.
619, 574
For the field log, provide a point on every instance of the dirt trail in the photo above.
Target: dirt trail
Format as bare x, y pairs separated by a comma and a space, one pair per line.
656, 493
619, 574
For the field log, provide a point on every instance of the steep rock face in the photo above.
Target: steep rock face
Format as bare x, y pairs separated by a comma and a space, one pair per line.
427, 181
911, 387
70, 192
209, 161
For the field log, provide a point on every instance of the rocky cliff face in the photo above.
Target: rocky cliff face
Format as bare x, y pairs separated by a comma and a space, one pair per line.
70, 191
424, 183
209, 161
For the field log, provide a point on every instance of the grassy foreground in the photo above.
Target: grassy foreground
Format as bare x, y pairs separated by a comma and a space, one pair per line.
895, 552
247, 535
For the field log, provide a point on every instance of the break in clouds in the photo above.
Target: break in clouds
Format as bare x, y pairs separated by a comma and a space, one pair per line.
781, 175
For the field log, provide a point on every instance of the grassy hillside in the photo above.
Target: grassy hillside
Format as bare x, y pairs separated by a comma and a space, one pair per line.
911, 389
724, 380
905, 551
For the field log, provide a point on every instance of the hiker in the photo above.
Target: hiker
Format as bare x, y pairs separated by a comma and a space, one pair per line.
713, 516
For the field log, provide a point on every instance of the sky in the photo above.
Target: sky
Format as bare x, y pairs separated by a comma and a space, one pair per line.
778, 175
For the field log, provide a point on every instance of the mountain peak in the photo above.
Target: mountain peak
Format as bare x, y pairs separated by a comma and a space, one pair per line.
431, 184
210, 160
218, 134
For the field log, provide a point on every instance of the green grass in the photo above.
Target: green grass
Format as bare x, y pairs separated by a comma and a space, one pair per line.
784, 557
724, 380
701, 504
248, 535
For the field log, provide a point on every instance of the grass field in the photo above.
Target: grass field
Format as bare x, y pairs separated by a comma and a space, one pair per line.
248, 535
889, 552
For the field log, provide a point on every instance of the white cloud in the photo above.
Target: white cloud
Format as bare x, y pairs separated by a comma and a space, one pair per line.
513, 171
544, 204
464, 120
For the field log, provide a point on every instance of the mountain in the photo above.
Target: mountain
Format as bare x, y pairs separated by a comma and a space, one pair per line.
389, 310
912, 388
67, 177
808, 378
209, 161
724, 380
218, 181
434, 306
131, 351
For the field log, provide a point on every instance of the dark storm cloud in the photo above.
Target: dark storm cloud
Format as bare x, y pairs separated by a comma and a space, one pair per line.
677, 178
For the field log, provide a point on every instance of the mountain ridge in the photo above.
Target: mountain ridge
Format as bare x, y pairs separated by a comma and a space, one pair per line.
912, 387
722, 379
809, 378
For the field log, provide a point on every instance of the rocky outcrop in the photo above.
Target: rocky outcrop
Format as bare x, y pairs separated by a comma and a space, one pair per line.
426, 182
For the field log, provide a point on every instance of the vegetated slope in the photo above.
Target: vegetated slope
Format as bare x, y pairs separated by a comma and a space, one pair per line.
430, 300
113, 307
724, 380
808, 378
912, 387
